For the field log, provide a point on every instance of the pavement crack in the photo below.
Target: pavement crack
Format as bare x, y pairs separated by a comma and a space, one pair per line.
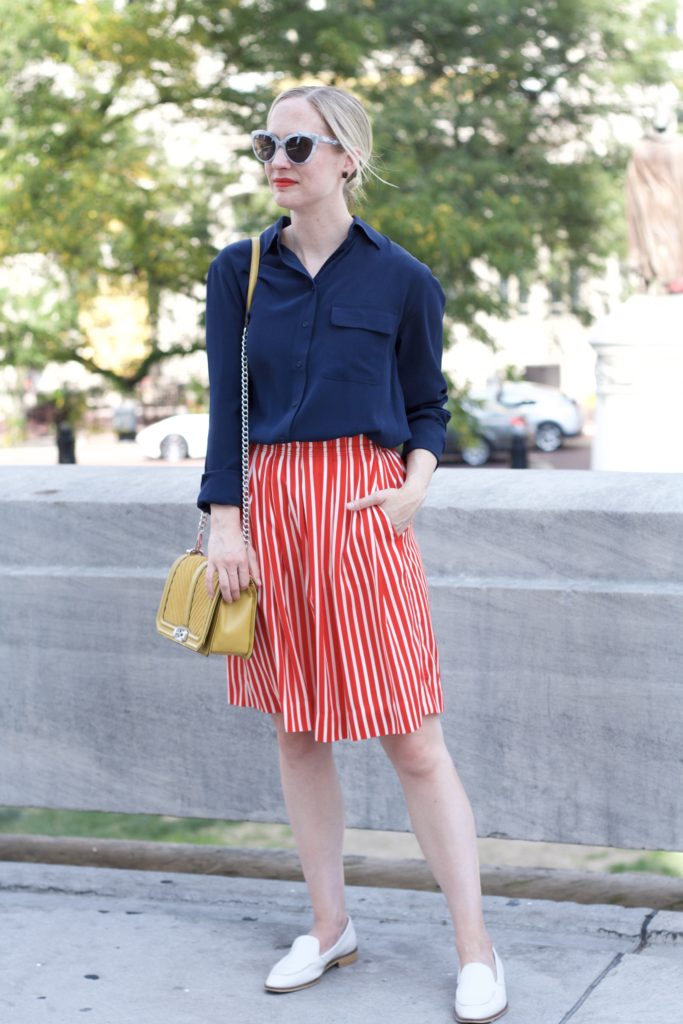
615, 933
52, 888
648, 934
592, 987
644, 929
642, 943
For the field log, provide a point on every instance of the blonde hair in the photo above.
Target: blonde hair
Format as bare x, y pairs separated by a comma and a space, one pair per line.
346, 120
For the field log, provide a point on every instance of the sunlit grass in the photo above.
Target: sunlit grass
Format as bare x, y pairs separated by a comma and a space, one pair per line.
165, 828
660, 862
153, 827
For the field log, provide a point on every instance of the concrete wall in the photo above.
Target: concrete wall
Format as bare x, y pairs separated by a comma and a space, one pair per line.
557, 600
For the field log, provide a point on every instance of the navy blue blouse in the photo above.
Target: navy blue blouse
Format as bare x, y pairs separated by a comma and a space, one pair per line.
354, 350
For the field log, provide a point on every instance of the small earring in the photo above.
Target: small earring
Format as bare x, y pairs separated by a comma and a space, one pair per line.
345, 174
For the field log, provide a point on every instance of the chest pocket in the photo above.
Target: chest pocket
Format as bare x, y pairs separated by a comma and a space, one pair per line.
360, 344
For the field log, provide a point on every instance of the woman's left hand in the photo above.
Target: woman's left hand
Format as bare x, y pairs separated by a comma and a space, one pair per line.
399, 503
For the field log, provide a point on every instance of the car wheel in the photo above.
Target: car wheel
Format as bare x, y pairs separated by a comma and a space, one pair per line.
477, 454
549, 437
173, 448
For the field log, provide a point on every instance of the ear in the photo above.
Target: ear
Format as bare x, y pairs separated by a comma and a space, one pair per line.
351, 161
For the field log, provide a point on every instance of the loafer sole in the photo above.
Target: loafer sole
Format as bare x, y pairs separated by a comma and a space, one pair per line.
481, 1020
339, 961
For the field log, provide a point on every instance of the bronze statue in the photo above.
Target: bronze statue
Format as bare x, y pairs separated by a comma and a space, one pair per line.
654, 207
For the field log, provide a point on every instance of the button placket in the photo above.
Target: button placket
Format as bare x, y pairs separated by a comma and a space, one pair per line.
306, 325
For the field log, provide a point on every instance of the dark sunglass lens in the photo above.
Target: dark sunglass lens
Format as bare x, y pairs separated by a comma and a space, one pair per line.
298, 148
264, 147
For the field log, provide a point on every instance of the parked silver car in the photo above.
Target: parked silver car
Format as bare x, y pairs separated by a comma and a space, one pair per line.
552, 414
495, 429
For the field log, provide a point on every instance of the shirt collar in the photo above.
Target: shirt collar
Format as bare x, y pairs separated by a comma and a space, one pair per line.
271, 236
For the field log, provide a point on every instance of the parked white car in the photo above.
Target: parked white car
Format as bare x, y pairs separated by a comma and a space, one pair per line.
551, 414
176, 437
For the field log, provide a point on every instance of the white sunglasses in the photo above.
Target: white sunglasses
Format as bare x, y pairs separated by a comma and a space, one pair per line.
299, 147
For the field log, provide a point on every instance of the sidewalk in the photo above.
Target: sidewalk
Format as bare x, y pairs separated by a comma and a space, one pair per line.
149, 947
103, 449
96, 449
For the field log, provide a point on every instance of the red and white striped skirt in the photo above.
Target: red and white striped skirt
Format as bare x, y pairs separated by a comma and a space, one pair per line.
344, 644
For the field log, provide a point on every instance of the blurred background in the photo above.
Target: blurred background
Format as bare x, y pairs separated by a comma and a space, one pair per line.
125, 166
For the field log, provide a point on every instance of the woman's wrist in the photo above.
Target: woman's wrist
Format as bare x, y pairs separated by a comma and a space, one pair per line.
420, 466
415, 488
225, 515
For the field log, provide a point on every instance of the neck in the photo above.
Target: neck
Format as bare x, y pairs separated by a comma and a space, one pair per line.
319, 229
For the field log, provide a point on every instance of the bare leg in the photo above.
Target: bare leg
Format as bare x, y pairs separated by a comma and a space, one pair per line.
443, 822
314, 801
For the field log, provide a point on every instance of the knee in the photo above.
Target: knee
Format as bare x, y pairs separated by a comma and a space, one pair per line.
295, 747
415, 755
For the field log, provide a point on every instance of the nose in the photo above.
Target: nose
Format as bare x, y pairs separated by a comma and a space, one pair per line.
280, 159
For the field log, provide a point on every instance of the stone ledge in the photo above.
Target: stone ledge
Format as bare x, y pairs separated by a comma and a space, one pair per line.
556, 599
627, 889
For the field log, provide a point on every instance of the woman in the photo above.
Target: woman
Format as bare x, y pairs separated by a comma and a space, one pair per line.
344, 351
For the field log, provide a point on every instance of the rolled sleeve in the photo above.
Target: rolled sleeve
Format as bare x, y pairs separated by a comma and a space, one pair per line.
221, 482
419, 353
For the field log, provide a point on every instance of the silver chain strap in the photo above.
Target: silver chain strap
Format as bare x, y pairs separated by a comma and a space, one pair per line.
245, 451
245, 434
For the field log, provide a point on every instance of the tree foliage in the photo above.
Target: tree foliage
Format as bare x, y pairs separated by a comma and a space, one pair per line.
484, 116
87, 185
486, 113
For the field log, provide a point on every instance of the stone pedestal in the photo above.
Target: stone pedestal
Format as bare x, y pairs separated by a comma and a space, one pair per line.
639, 386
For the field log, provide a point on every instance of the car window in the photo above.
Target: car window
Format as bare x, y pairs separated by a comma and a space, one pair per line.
511, 403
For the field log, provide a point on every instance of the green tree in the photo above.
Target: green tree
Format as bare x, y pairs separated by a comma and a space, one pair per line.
85, 183
483, 115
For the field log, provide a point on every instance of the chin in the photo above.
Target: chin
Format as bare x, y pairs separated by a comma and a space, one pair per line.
281, 198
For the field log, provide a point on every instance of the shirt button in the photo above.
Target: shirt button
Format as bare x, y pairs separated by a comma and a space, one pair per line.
305, 323
299, 363
294, 402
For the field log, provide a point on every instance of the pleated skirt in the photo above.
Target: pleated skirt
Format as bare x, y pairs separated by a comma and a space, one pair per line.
343, 645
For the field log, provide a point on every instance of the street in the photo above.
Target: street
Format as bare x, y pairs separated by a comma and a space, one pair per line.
103, 449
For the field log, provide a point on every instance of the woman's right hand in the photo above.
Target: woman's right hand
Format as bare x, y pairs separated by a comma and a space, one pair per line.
230, 558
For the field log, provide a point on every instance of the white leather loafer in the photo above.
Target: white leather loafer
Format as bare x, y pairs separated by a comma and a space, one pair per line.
480, 997
304, 965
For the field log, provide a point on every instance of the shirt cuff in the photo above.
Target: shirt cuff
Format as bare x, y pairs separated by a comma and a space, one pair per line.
429, 435
220, 487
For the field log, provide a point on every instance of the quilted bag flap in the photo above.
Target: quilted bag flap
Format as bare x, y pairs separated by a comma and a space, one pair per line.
186, 610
